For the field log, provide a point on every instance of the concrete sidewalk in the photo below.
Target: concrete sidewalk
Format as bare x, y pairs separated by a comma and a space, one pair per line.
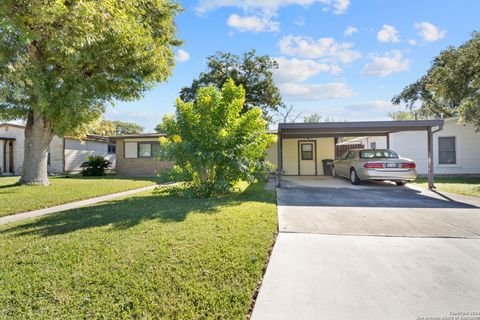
72, 205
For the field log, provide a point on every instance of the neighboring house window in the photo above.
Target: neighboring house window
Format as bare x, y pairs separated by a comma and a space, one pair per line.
447, 153
307, 151
112, 149
148, 149
373, 145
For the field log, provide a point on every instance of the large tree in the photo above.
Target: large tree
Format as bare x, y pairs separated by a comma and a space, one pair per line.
111, 128
213, 143
62, 62
253, 72
451, 86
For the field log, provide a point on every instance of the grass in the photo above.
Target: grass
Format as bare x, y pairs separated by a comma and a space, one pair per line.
149, 256
460, 185
15, 198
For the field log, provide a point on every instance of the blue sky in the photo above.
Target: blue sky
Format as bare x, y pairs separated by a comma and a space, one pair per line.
344, 59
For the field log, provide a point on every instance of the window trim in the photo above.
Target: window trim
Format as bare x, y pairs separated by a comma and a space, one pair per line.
302, 152
455, 144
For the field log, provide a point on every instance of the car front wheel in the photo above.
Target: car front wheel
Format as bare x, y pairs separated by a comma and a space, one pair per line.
354, 179
401, 183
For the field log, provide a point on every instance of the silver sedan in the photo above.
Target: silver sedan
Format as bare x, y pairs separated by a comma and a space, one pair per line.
374, 164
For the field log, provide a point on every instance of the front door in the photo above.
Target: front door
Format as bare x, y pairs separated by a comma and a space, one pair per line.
307, 160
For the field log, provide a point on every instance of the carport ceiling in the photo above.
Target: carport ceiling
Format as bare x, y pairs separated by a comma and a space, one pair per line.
352, 129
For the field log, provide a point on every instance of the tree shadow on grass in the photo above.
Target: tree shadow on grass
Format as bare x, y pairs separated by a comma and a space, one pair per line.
129, 212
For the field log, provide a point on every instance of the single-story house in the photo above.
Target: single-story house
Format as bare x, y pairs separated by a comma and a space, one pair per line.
456, 148
65, 154
301, 147
136, 155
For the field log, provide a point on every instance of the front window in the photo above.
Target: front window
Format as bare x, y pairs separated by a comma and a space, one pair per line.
447, 153
307, 151
112, 149
148, 149
145, 150
378, 154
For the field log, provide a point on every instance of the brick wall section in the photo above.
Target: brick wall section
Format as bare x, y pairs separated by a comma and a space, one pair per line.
138, 166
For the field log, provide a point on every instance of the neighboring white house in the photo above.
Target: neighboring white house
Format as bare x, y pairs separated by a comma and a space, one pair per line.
456, 148
377, 142
65, 154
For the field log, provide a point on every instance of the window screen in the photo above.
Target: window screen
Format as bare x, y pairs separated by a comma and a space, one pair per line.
446, 150
307, 151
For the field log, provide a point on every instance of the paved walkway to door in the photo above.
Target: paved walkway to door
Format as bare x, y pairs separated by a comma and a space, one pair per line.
375, 251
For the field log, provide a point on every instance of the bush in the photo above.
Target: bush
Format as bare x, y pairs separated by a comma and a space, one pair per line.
213, 143
95, 166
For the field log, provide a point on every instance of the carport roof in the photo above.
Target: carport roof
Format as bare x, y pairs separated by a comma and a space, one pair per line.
350, 129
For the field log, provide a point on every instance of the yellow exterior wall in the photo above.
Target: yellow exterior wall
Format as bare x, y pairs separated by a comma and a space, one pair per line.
325, 150
271, 153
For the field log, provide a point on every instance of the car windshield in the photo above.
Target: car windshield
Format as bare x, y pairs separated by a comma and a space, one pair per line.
378, 154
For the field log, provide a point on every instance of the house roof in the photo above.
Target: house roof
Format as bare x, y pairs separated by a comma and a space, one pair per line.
12, 125
140, 135
354, 129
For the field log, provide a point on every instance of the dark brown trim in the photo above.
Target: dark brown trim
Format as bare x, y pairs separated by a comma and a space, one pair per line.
64, 162
10, 160
299, 157
5, 156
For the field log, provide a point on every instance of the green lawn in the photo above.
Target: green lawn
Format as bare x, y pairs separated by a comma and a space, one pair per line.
149, 256
460, 185
15, 198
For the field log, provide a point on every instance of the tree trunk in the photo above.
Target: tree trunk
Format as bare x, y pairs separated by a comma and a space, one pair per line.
38, 135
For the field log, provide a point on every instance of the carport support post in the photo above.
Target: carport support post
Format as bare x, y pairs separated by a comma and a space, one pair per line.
278, 172
430, 158
388, 140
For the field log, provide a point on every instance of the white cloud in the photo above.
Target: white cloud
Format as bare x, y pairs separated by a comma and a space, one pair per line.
268, 6
253, 23
341, 6
413, 42
326, 48
349, 31
300, 21
182, 56
388, 34
296, 70
382, 66
429, 32
333, 90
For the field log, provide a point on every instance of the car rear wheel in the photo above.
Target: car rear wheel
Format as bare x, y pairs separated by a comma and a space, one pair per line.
401, 183
354, 179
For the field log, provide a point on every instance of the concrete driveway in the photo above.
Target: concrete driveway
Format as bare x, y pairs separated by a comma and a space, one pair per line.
374, 251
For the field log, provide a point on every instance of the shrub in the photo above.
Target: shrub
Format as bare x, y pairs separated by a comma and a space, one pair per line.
214, 144
95, 166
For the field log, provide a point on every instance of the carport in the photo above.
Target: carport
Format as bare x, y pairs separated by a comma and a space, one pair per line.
356, 129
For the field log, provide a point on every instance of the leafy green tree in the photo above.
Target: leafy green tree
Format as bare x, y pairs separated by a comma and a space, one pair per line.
451, 86
122, 127
314, 117
112, 128
62, 62
410, 115
213, 143
253, 72
160, 128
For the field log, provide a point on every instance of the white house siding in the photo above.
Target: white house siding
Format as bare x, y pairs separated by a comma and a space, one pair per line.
377, 142
76, 152
413, 145
56, 155
18, 145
